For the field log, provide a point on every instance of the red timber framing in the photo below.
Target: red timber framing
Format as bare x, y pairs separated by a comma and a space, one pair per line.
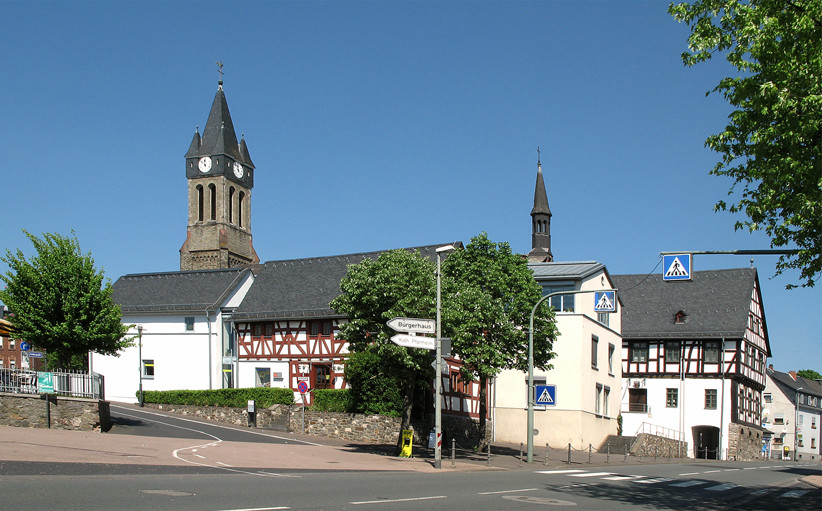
314, 353
461, 398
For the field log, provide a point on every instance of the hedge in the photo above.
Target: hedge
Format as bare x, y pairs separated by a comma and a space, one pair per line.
237, 398
332, 400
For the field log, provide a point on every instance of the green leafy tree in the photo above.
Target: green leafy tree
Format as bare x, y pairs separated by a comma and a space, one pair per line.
809, 374
374, 388
398, 283
487, 303
61, 303
772, 145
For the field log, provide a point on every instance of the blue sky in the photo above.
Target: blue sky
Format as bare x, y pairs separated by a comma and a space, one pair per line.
377, 125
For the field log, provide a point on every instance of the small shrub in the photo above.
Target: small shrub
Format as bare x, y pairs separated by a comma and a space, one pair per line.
332, 400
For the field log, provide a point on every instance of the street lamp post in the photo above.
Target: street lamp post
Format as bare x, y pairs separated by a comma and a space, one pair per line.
140, 358
438, 363
796, 426
531, 397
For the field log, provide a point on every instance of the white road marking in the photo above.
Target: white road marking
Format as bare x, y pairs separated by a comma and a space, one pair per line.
711, 471
385, 501
721, 487
567, 471
257, 509
730, 470
692, 482
622, 478
749, 468
223, 464
592, 474
654, 480
795, 494
506, 491
690, 474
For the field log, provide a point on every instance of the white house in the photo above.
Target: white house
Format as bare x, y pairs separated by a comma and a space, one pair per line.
586, 372
792, 415
183, 335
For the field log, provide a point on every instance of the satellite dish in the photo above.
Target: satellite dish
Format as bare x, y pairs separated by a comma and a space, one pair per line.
765, 412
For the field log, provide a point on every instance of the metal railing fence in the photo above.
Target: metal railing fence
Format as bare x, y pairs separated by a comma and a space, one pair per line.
66, 383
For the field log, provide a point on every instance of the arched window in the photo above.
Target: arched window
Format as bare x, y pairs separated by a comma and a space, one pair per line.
199, 203
240, 213
212, 190
231, 205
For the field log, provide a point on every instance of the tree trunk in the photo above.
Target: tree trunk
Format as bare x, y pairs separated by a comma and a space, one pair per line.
407, 404
483, 411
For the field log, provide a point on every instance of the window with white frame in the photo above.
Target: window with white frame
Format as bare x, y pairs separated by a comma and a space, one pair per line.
11, 344
597, 403
767, 397
604, 318
711, 355
148, 369
672, 351
779, 419
606, 405
611, 351
594, 350
560, 303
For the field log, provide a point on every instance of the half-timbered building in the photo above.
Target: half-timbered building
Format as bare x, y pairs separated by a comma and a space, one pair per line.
693, 359
181, 326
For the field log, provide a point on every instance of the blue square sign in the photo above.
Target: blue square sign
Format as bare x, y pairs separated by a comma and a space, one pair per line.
676, 267
546, 395
605, 301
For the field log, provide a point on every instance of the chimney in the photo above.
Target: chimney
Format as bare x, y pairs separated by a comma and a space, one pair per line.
793, 374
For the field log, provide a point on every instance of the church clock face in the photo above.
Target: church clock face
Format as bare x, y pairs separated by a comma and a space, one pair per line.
204, 164
238, 170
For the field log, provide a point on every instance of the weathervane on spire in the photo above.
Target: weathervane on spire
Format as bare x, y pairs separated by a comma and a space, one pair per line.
220, 70
538, 160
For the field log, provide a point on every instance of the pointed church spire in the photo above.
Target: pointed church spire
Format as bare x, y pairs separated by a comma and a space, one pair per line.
194, 148
219, 136
540, 221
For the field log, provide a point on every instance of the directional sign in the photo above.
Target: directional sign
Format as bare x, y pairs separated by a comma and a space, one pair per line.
24, 346
45, 383
420, 326
36, 354
676, 267
414, 341
604, 301
546, 395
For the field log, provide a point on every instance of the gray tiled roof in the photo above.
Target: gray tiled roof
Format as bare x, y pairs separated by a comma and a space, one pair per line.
302, 288
573, 270
716, 304
785, 381
176, 292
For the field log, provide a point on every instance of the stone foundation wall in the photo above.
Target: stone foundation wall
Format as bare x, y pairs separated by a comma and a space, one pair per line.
744, 443
372, 429
658, 446
276, 417
32, 411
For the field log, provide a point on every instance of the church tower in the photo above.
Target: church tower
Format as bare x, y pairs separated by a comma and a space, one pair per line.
220, 177
540, 223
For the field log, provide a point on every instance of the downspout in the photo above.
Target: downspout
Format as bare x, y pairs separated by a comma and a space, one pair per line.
210, 364
722, 406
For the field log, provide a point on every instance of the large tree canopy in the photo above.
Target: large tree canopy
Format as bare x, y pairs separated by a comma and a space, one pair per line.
61, 303
772, 145
398, 283
487, 303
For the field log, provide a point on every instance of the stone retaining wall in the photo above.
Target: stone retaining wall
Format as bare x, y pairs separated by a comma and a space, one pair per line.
658, 446
744, 443
32, 411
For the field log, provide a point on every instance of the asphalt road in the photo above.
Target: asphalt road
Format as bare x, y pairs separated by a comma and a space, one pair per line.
686, 486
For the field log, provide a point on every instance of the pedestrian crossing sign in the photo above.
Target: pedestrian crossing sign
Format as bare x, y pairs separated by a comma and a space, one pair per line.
546, 395
605, 301
676, 267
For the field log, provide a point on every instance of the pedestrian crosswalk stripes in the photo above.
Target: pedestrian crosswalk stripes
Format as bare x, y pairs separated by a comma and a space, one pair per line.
716, 486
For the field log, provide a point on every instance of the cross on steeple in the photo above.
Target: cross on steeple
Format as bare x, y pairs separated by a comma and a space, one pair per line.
220, 70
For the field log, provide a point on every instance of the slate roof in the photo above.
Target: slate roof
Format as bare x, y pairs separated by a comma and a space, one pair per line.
716, 304
219, 136
303, 288
540, 197
565, 270
784, 381
178, 291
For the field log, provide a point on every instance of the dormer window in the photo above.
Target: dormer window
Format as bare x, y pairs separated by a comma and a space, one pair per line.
680, 318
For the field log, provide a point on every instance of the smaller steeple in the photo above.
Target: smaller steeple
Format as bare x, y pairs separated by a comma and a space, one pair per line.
540, 221
194, 148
